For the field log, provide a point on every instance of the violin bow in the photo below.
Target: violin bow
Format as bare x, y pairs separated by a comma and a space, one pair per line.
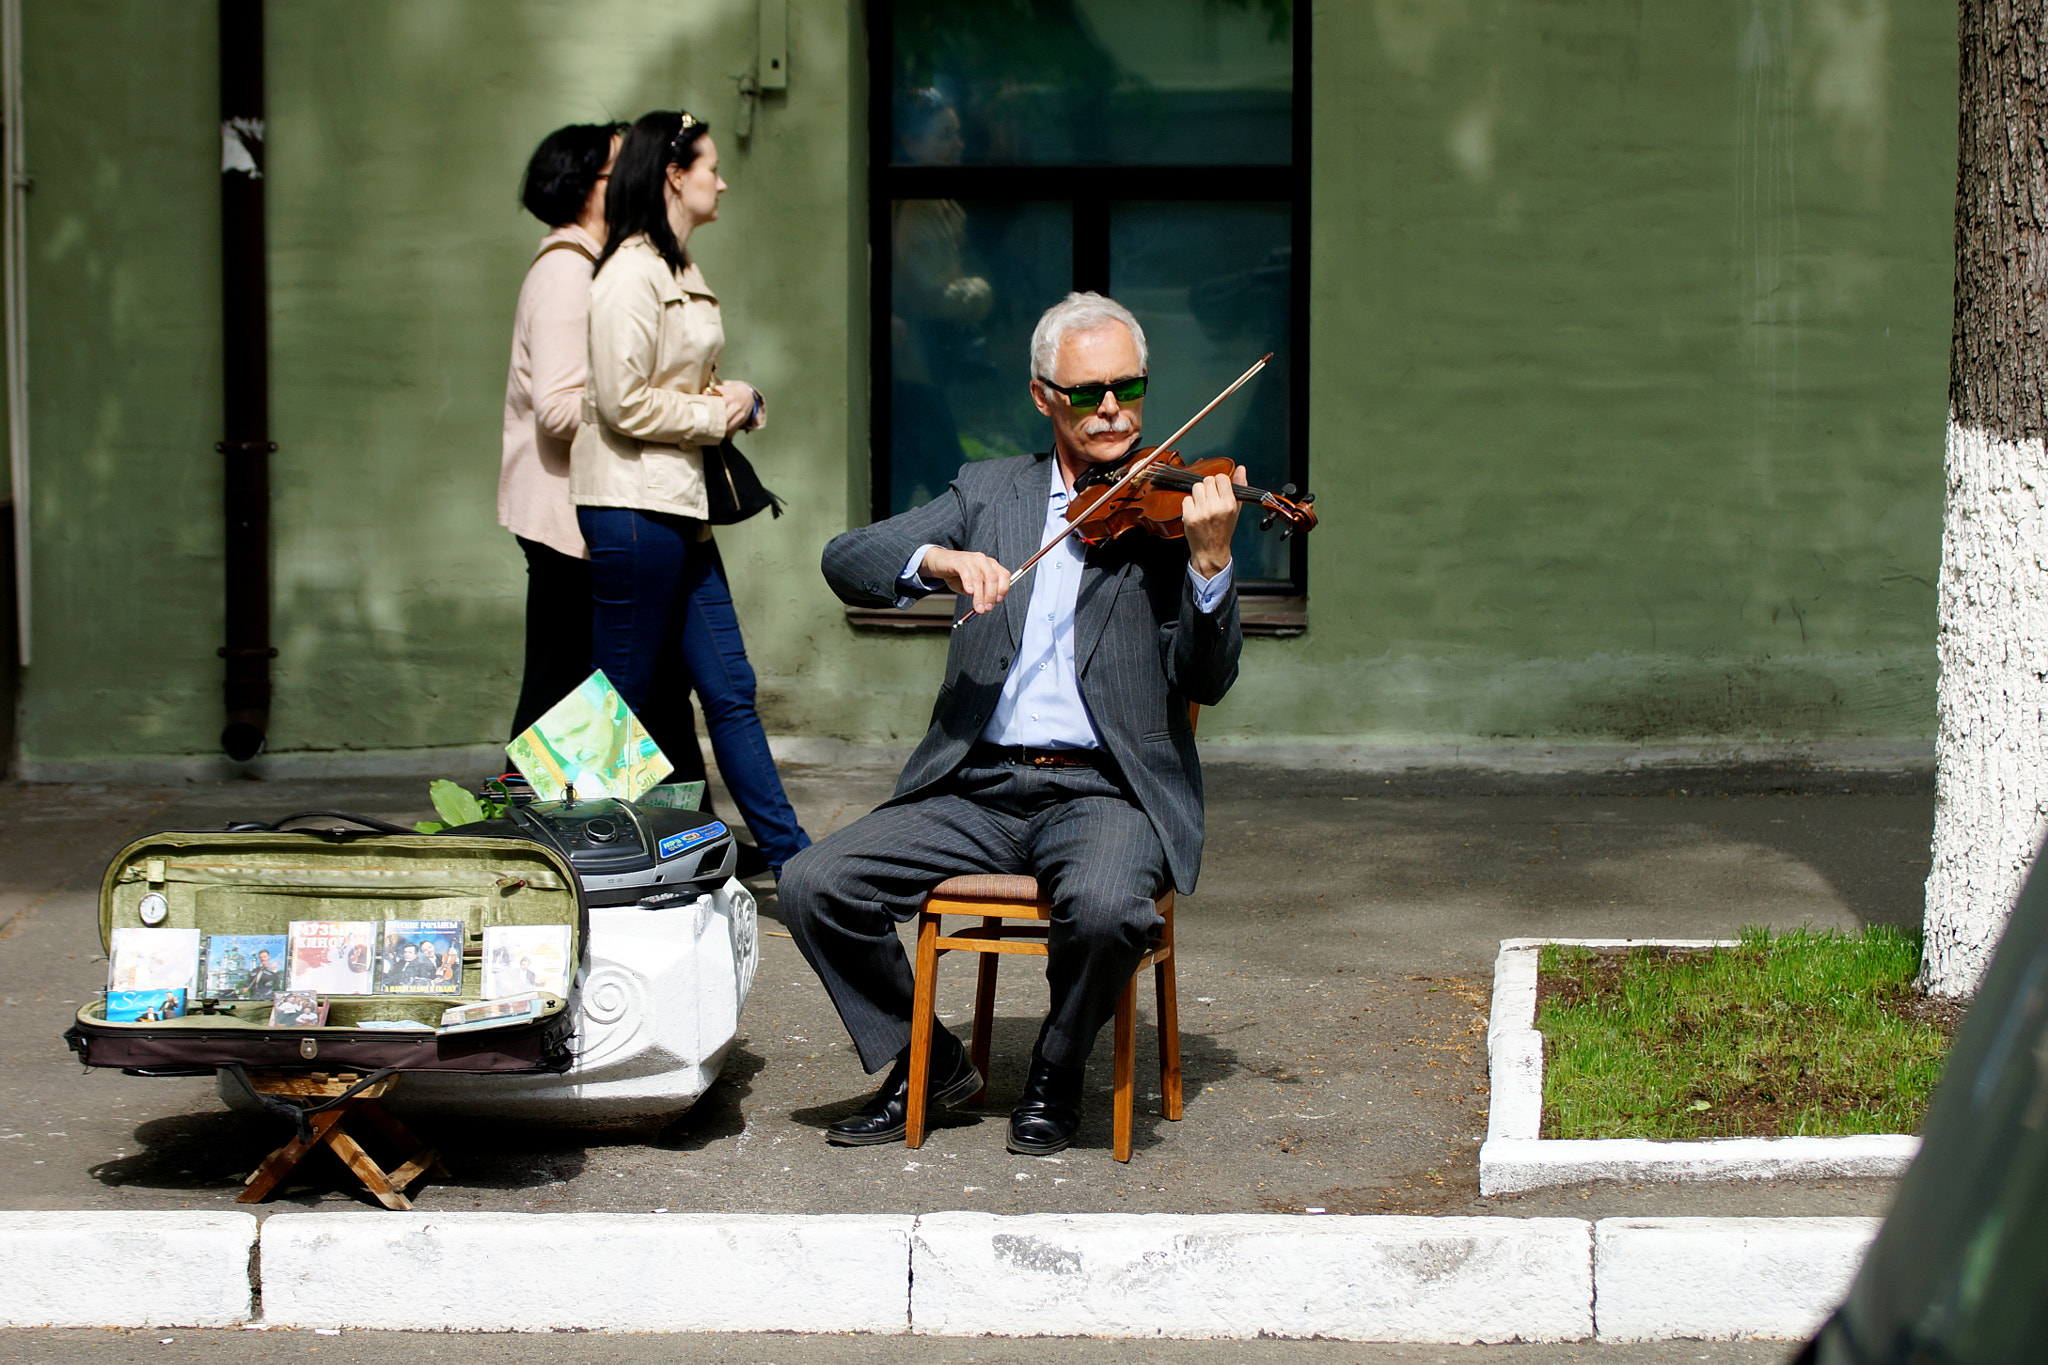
1133, 472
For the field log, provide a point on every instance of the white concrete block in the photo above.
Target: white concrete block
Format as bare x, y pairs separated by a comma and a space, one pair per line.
1514, 989
497, 1272
1659, 1278
1231, 1275
1514, 1106
130, 1269
1516, 1165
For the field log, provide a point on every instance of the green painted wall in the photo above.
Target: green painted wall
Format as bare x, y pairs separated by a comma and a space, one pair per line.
1631, 341
1630, 358
397, 134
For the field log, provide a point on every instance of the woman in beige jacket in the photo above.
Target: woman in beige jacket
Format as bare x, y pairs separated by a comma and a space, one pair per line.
653, 402
564, 187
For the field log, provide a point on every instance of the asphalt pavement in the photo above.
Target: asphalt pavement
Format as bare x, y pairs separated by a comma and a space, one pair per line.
1334, 977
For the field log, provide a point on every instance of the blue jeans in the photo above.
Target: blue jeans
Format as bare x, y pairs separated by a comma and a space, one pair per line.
656, 588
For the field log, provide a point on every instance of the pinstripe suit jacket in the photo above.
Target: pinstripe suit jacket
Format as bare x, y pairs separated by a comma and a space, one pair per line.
1142, 649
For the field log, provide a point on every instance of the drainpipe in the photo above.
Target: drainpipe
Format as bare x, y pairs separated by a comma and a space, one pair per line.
245, 371
13, 257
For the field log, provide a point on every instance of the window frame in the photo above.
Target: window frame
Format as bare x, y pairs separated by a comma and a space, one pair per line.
1289, 184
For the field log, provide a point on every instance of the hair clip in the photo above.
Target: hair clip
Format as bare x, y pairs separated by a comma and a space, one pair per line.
677, 142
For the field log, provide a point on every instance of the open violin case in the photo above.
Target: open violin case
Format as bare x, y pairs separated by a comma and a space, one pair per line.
258, 881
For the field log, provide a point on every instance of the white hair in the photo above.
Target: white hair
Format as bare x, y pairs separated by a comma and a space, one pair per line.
1078, 313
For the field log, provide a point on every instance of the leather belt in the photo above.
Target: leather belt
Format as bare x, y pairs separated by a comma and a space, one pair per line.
985, 755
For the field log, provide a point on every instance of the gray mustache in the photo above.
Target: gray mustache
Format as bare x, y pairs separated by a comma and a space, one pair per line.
1099, 426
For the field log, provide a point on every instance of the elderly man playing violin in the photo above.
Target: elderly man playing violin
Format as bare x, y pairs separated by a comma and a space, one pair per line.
1060, 746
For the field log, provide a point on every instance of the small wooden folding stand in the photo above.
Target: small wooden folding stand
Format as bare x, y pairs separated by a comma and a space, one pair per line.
329, 1130
996, 899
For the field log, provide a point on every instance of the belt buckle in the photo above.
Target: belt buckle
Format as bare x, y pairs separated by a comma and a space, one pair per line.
1045, 760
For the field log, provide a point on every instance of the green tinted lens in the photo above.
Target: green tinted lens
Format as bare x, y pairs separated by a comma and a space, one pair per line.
1088, 397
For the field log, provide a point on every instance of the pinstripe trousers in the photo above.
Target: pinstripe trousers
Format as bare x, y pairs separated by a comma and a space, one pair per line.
1077, 830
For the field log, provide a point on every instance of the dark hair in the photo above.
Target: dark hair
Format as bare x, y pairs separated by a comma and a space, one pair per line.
635, 203
565, 166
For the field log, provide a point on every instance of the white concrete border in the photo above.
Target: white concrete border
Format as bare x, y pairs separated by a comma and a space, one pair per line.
141, 1269
1246, 1275
533, 1272
1515, 1158
1354, 1278
1717, 1278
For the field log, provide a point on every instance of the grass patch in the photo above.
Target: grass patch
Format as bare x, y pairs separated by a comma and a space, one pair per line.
1799, 1034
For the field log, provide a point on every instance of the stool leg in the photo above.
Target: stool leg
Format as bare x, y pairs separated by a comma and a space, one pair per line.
1126, 1046
984, 1013
923, 1007
367, 1170
279, 1164
402, 1137
1166, 990
1169, 1038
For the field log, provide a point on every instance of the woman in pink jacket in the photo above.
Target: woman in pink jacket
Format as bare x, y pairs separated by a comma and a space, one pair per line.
565, 188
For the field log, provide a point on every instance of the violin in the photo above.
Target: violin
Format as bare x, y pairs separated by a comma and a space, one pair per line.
1105, 506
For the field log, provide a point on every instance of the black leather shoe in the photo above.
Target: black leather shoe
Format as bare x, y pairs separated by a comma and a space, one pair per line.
886, 1117
1047, 1117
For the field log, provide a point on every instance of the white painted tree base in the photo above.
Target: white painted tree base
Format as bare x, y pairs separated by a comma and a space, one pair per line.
1515, 1159
1991, 700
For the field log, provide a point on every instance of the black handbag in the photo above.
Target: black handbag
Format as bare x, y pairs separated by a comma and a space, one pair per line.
731, 486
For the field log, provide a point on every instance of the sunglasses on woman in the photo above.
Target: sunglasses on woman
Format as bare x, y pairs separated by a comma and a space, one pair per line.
1088, 397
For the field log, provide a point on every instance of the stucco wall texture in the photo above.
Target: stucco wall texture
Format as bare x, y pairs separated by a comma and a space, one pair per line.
1629, 359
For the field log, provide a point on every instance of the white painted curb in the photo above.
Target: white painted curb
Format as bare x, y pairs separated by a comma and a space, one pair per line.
1227, 1275
1358, 1278
1514, 1106
1661, 1278
1514, 1159
77, 1269
1517, 1165
524, 1272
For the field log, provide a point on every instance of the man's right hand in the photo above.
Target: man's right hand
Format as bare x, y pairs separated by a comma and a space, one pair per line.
969, 573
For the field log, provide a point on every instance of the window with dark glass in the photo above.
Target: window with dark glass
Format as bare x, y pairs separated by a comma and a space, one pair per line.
1153, 150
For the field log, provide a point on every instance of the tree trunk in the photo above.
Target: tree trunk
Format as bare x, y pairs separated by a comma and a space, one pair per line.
1991, 749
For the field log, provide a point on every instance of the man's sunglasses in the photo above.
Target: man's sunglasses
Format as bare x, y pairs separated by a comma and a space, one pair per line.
1088, 397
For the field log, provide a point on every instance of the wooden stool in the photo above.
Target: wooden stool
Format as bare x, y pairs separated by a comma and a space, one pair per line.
997, 899
328, 1131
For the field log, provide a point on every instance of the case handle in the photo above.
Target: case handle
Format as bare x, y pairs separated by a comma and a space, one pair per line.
369, 822
301, 1112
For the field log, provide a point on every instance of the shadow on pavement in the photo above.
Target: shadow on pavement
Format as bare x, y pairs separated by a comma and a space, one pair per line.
720, 1112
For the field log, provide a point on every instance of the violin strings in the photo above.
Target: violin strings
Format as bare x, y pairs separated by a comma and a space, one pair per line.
1182, 479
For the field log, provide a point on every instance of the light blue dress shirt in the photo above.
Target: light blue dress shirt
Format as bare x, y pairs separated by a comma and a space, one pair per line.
1041, 705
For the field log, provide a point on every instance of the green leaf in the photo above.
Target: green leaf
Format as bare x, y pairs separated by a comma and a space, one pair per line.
456, 804
429, 826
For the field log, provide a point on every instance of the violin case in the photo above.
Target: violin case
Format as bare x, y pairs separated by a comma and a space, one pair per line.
257, 880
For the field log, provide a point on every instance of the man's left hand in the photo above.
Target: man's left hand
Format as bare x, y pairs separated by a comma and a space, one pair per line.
1209, 512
